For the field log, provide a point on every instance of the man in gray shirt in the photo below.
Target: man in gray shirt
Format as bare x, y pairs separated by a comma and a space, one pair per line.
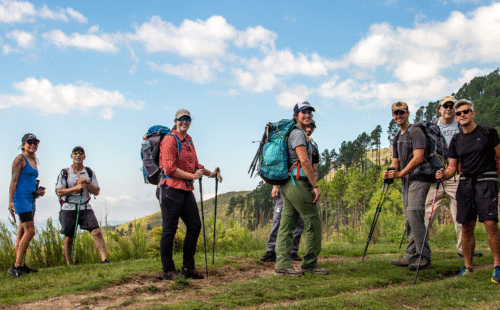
449, 127
408, 153
74, 186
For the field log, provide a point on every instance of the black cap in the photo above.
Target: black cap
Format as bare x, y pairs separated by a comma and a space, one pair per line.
29, 136
78, 148
312, 123
302, 106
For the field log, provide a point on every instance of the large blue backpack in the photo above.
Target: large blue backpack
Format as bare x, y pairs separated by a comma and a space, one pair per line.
150, 153
271, 160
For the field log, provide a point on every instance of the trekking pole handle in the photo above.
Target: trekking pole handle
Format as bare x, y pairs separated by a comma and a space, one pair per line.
218, 177
389, 181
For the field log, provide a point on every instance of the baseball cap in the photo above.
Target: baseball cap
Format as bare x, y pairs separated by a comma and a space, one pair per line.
313, 123
78, 148
181, 113
29, 136
399, 106
302, 106
446, 99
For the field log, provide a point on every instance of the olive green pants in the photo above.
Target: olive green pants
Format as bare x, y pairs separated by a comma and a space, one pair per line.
298, 200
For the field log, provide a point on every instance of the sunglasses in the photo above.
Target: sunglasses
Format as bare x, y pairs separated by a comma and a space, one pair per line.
78, 153
448, 106
399, 112
184, 119
466, 111
32, 142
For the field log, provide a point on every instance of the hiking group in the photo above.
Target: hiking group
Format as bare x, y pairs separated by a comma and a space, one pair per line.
287, 158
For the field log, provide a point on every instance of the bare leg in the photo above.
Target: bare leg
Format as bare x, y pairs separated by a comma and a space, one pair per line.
99, 242
29, 233
68, 243
493, 240
468, 242
20, 233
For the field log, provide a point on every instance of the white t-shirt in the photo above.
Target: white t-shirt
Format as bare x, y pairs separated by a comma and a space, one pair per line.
73, 199
448, 130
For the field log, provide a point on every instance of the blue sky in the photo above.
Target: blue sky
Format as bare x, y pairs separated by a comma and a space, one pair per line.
99, 73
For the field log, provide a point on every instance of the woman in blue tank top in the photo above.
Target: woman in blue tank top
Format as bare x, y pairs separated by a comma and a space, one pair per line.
22, 192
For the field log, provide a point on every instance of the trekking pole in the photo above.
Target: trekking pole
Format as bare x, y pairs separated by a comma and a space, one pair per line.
402, 238
76, 225
385, 187
203, 222
426, 231
218, 179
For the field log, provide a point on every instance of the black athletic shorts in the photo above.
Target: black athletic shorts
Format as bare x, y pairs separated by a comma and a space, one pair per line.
477, 200
26, 216
86, 220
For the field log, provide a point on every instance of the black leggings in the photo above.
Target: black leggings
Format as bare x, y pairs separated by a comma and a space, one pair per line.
175, 204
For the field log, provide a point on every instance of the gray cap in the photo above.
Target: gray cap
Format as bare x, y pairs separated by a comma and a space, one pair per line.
462, 102
181, 113
29, 136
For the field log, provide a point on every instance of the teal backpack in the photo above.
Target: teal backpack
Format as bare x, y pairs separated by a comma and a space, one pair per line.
271, 159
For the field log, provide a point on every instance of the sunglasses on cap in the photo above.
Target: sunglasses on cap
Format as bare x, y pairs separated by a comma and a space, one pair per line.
78, 153
399, 112
466, 111
32, 142
184, 119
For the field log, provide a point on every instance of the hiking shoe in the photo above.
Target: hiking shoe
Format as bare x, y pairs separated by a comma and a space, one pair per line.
402, 262
171, 275
270, 256
26, 269
295, 258
106, 261
466, 272
192, 274
288, 272
16, 272
424, 264
476, 254
316, 270
496, 275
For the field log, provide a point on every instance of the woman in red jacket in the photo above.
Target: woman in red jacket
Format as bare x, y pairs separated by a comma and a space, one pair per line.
176, 197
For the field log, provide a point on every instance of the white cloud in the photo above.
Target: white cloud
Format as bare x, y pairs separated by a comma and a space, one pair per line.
289, 97
76, 15
16, 11
93, 29
133, 69
47, 13
101, 43
256, 37
7, 49
200, 39
200, 71
24, 39
41, 95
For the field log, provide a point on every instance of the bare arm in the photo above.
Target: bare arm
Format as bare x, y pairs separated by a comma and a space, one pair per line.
497, 152
418, 158
389, 174
17, 166
450, 170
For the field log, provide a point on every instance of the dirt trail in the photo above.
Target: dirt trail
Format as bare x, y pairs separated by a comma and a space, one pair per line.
146, 289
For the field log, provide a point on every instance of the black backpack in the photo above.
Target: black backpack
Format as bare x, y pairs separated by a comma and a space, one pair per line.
64, 172
436, 152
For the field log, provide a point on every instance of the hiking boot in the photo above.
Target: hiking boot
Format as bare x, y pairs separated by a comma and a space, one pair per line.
270, 256
26, 269
288, 272
16, 272
402, 262
295, 258
106, 261
171, 275
424, 264
476, 254
316, 270
496, 275
192, 274
466, 272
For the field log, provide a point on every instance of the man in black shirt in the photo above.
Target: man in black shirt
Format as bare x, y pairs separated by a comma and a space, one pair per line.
408, 153
477, 194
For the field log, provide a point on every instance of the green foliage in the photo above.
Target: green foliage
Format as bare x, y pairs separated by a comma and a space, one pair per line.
7, 249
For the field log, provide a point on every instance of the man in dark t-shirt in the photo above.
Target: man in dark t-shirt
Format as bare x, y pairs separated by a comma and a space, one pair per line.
475, 148
408, 153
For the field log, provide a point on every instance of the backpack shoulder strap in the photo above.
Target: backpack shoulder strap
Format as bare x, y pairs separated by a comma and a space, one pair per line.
179, 143
65, 175
89, 172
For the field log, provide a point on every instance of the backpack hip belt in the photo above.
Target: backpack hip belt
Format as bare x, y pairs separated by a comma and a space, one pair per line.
483, 177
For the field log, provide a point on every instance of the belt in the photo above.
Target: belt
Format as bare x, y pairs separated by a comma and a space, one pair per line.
483, 177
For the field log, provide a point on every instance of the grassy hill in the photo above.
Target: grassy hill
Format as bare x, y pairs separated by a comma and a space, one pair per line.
154, 220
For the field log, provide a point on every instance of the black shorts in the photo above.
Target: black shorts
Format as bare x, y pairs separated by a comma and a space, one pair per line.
477, 200
86, 220
26, 216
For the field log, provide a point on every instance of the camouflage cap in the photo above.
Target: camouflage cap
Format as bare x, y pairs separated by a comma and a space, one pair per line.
446, 99
399, 106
